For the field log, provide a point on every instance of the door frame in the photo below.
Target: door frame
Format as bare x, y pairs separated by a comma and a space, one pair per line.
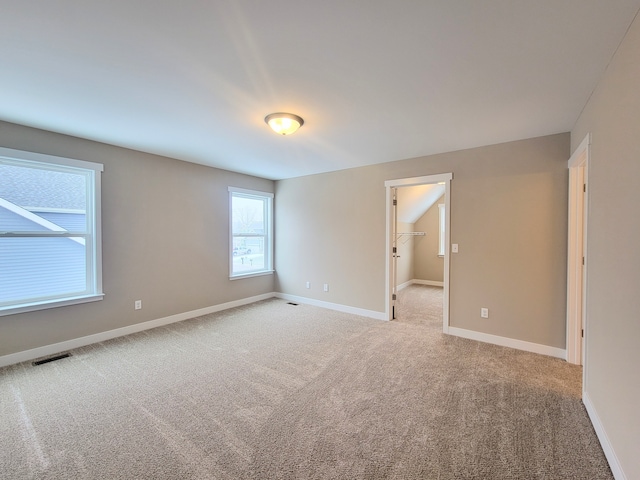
577, 254
409, 182
394, 252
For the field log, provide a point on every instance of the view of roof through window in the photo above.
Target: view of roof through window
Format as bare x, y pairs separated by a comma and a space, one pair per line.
41, 188
38, 201
58, 197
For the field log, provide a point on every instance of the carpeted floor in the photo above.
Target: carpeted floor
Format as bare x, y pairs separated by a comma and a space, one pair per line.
276, 391
420, 305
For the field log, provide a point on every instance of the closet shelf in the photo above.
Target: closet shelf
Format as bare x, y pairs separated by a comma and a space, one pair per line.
407, 235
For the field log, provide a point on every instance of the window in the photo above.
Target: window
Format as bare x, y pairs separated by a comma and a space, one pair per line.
441, 228
50, 250
251, 232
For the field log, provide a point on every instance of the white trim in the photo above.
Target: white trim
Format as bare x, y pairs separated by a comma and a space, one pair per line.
53, 210
408, 182
333, 306
261, 273
246, 191
609, 452
576, 159
508, 342
11, 154
447, 256
52, 349
96, 205
389, 276
404, 285
578, 166
415, 281
46, 304
433, 283
442, 232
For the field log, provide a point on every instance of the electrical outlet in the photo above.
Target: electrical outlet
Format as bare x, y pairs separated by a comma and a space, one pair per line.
138, 305
308, 284
326, 287
484, 312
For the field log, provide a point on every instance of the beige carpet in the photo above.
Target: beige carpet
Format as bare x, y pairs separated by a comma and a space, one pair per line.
420, 305
276, 391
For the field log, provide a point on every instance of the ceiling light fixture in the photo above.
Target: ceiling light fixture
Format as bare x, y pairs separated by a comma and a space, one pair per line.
284, 123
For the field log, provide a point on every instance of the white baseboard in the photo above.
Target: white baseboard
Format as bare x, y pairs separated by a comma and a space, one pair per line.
54, 348
508, 342
333, 306
416, 281
609, 452
433, 283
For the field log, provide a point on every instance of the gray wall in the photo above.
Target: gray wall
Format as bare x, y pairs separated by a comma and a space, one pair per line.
612, 115
165, 239
427, 264
508, 214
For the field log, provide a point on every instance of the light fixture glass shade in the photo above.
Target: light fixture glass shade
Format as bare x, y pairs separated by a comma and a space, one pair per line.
284, 123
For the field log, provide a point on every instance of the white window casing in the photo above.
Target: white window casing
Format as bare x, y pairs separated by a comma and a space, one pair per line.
50, 231
250, 233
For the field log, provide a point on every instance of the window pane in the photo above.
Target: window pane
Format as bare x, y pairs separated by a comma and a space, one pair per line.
248, 254
35, 200
35, 268
248, 215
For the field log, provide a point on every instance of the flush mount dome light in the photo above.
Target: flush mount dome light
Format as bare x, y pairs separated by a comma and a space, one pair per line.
284, 123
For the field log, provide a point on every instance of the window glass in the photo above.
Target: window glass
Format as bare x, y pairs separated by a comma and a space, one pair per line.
441, 230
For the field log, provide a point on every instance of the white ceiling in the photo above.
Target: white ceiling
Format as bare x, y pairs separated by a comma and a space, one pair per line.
374, 80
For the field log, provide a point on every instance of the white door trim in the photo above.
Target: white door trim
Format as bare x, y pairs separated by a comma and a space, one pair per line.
407, 182
577, 253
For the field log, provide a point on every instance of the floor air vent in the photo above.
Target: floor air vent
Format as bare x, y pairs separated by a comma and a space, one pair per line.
52, 359
291, 303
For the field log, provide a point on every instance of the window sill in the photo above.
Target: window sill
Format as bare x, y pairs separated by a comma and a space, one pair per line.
60, 302
252, 274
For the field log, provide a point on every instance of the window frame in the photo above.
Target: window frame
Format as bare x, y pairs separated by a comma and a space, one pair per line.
92, 235
442, 221
267, 198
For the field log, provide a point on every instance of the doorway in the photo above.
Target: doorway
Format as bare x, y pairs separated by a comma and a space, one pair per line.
393, 236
